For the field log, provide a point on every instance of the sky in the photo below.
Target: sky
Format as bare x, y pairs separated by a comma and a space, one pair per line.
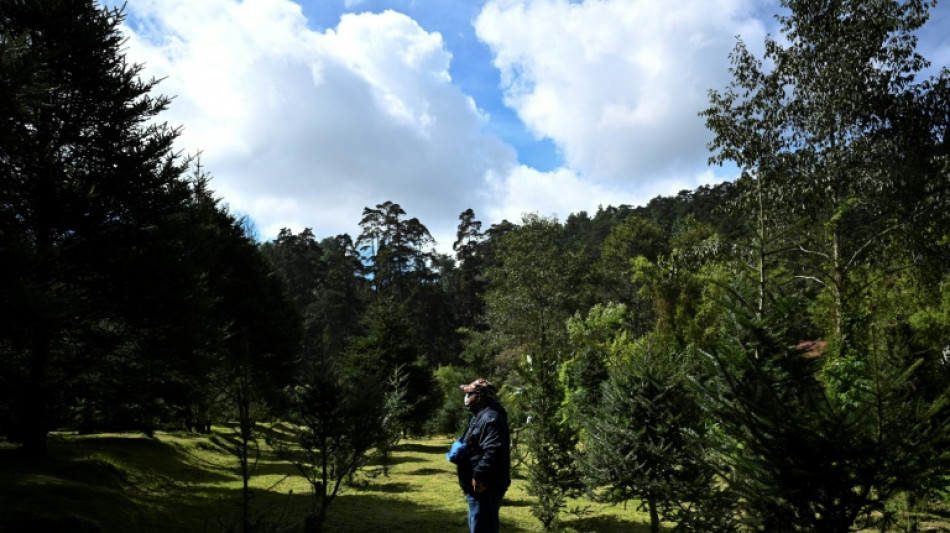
306, 112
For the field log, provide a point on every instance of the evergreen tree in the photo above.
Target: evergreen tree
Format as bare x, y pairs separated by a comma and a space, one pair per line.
645, 439
338, 419
804, 457
87, 178
387, 343
470, 277
528, 306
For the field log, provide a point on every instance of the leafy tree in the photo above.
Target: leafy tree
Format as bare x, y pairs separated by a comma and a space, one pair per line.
632, 238
834, 128
675, 284
592, 340
451, 416
931, 320
844, 159
705, 203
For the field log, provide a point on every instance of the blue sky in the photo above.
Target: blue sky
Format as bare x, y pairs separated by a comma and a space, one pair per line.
471, 67
307, 111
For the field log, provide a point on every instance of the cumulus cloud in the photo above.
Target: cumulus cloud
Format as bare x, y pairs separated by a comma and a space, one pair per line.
617, 84
557, 193
305, 128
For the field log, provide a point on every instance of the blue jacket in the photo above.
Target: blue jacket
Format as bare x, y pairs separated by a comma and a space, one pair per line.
488, 447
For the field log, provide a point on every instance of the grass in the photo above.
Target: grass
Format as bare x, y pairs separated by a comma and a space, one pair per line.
190, 483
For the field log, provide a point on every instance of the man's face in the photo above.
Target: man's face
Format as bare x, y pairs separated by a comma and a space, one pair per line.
471, 399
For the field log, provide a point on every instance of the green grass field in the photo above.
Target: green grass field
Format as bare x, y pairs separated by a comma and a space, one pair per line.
186, 482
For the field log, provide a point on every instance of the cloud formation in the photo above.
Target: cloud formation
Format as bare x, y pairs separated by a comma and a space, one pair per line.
618, 83
305, 128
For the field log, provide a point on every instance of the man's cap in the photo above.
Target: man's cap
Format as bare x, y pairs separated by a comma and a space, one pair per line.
482, 387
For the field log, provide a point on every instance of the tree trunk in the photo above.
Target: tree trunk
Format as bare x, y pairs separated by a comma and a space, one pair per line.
914, 526
246, 428
35, 407
245, 467
654, 516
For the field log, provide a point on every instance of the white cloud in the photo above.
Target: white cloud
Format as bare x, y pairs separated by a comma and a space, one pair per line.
617, 84
562, 192
304, 128
526, 190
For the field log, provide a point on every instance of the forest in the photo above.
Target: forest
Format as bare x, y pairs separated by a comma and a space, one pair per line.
770, 354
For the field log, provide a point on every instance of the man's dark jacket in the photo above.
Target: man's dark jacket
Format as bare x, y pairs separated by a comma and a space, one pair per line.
489, 450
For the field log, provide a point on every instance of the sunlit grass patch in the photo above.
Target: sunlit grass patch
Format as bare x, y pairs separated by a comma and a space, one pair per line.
187, 482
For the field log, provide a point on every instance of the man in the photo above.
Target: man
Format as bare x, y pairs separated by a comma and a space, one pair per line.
484, 469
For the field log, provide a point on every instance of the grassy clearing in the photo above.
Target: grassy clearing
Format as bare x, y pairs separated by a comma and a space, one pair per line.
184, 482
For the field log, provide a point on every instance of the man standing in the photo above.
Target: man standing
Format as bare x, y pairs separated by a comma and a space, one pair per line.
484, 469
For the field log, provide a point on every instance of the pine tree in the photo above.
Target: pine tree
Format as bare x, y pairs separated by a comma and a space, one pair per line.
86, 174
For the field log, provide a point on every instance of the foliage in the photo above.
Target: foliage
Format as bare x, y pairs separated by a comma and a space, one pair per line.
142, 302
644, 440
387, 343
451, 416
528, 306
675, 284
842, 161
593, 340
470, 280
395, 410
337, 420
835, 129
134, 285
396, 249
931, 321
634, 237
807, 458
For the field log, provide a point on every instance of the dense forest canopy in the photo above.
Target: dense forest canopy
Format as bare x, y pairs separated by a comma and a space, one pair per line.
769, 354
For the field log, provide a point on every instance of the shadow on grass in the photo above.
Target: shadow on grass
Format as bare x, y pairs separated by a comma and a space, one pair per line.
117, 483
82, 494
84, 459
274, 469
507, 502
428, 472
385, 487
393, 461
412, 447
362, 513
230, 443
605, 524
48, 502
